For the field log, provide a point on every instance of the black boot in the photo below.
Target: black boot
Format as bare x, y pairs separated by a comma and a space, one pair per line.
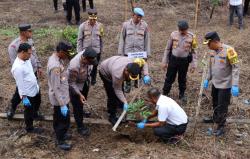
113, 119
219, 131
84, 131
10, 113
67, 136
34, 130
63, 145
38, 116
208, 120
183, 98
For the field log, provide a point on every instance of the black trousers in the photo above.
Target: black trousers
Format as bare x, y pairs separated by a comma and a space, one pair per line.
113, 101
77, 105
221, 101
168, 131
180, 66
91, 4
60, 123
56, 5
246, 4
73, 4
29, 111
17, 100
94, 71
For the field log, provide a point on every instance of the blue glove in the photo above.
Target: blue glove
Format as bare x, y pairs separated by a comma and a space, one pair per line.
64, 110
235, 91
125, 106
146, 79
144, 120
140, 125
205, 84
26, 102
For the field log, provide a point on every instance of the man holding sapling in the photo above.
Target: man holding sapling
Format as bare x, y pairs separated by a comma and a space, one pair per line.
172, 119
113, 72
223, 71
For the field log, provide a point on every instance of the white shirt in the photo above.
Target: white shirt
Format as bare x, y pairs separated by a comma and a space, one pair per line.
25, 78
170, 111
235, 2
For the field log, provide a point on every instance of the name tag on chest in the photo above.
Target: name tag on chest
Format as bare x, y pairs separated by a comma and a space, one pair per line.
141, 54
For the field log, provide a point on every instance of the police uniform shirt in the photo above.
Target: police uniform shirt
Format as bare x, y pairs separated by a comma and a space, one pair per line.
170, 112
134, 38
57, 81
223, 67
90, 36
25, 78
12, 50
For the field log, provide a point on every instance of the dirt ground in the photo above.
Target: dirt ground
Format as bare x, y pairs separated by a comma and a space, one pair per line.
103, 142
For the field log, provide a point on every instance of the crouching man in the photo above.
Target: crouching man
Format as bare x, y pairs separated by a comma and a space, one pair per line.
172, 120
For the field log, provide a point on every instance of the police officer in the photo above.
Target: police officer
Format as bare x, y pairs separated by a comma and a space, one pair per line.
91, 4
73, 4
91, 34
26, 81
177, 56
134, 36
113, 72
59, 93
25, 36
223, 72
79, 78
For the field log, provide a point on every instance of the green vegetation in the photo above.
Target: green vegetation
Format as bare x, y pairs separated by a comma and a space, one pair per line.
138, 110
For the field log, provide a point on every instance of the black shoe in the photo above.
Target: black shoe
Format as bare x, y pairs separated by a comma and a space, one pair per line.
69, 23
78, 23
113, 119
219, 131
67, 136
183, 98
35, 130
84, 131
127, 87
10, 113
93, 82
208, 120
136, 84
63, 145
86, 114
38, 116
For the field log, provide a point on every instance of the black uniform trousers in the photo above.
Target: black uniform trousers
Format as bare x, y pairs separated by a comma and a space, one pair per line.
246, 4
17, 100
30, 110
60, 123
94, 71
77, 104
91, 4
176, 65
168, 131
221, 100
73, 4
113, 101
56, 5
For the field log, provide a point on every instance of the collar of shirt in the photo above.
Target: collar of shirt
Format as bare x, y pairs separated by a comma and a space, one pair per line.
132, 22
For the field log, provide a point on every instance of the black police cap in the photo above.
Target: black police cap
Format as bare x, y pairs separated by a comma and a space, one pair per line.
211, 36
24, 27
64, 46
